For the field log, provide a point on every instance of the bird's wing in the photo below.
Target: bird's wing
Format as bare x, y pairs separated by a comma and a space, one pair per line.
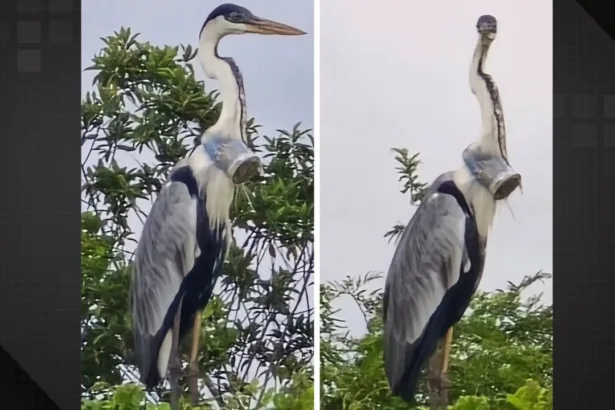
164, 255
425, 265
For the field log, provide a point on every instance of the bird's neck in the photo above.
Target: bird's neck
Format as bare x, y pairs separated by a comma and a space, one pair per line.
481, 201
493, 133
233, 117
217, 188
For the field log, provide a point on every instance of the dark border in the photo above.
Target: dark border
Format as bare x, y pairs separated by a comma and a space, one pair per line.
584, 220
40, 74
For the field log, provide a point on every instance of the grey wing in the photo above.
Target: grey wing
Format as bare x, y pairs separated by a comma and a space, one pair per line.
426, 263
165, 253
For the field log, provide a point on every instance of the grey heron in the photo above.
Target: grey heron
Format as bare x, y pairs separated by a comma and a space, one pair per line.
440, 256
187, 233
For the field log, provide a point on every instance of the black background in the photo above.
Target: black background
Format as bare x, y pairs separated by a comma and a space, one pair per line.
40, 73
40, 204
584, 205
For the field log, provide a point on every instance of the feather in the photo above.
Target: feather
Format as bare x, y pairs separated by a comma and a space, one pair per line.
427, 289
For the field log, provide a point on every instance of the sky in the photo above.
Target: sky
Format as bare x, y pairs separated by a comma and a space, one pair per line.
278, 71
397, 75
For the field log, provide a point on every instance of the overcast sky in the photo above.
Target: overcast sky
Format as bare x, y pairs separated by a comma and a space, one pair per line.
278, 71
396, 75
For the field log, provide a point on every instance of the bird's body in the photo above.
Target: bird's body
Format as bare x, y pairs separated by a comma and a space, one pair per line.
434, 272
440, 257
179, 257
186, 236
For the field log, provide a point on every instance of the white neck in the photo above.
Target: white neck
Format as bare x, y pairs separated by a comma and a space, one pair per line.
219, 189
493, 133
231, 118
478, 197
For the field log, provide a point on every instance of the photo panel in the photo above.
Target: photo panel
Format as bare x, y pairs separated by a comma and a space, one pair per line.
199, 188
436, 208
196, 217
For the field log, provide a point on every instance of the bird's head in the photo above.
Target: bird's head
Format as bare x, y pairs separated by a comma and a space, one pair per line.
487, 27
232, 19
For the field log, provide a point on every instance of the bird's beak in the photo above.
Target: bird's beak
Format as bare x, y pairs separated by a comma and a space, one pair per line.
263, 26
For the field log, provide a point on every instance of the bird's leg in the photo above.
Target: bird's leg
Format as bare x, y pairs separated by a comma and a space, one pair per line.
433, 380
448, 343
193, 373
437, 373
446, 353
175, 364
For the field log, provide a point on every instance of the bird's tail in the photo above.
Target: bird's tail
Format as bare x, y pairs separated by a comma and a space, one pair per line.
146, 358
151, 379
404, 362
148, 347
403, 381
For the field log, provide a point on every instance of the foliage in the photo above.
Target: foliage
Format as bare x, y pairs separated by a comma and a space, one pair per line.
407, 169
146, 111
298, 395
501, 356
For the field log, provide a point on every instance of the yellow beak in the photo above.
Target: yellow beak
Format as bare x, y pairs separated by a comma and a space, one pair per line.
263, 26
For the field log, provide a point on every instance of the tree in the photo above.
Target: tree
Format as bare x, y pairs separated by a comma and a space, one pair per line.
145, 112
502, 348
298, 395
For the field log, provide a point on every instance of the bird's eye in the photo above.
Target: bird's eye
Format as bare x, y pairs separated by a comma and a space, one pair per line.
234, 16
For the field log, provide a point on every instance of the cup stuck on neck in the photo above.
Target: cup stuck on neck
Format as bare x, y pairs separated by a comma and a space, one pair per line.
493, 172
234, 158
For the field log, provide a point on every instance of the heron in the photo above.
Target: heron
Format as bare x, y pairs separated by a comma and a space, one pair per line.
185, 238
439, 259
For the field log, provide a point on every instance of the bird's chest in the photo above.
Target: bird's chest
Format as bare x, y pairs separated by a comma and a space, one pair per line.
212, 238
212, 243
475, 274
472, 268
484, 207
